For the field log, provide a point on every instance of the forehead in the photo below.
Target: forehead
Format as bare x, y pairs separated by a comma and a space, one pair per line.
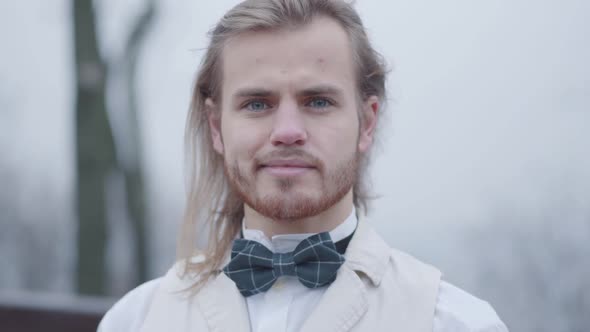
318, 52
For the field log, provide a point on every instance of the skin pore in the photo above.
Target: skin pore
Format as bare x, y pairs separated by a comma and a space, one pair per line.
287, 124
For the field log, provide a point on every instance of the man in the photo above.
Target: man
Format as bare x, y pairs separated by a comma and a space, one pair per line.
284, 113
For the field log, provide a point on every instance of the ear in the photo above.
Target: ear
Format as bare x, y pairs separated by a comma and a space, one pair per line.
214, 117
370, 108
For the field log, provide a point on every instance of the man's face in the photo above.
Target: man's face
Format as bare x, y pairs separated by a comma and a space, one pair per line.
289, 127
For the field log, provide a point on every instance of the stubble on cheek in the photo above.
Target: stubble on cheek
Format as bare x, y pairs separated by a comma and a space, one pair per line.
238, 180
246, 183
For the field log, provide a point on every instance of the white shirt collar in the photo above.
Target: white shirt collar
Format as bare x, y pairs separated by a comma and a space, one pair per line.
287, 242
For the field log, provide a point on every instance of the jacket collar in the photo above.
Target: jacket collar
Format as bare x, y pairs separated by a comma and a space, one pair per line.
368, 253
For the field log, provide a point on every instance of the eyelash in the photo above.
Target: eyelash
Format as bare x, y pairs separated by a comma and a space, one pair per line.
329, 102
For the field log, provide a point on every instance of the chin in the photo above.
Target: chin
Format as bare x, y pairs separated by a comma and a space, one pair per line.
290, 206
291, 192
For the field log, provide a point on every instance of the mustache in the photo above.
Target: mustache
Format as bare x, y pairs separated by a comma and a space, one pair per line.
288, 154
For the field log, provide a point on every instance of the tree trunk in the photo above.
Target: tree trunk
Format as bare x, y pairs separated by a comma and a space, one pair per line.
95, 151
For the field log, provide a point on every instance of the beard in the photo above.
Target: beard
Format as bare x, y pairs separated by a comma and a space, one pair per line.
283, 201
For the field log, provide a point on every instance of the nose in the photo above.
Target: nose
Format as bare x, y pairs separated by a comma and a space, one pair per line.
288, 126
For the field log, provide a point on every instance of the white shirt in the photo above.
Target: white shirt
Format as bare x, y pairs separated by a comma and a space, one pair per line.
288, 303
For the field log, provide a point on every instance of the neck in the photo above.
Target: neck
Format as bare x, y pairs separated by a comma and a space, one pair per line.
323, 222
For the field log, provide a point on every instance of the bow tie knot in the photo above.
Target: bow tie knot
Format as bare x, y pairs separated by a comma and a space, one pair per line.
284, 264
254, 268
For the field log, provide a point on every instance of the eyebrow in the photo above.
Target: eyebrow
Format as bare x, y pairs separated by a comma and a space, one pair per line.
253, 92
323, 89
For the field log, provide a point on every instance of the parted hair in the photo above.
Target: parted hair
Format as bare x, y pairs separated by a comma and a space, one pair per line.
212, 206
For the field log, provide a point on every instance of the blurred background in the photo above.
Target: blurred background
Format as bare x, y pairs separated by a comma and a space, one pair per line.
483, 170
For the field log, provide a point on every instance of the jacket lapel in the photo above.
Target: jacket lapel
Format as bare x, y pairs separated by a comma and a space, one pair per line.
218, 306
341, 306
222, 305
345, 301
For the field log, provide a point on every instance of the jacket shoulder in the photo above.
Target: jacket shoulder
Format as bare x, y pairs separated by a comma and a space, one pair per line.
128, 313
455, 310
460, 311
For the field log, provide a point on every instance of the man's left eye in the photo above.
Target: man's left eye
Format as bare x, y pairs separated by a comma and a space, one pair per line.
319, 103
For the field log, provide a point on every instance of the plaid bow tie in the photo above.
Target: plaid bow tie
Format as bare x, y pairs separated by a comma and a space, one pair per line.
255, 269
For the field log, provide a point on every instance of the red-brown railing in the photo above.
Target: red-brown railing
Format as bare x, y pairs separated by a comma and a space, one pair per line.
27, 312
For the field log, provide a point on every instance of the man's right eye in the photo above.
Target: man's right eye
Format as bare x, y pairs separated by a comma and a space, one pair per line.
256, 106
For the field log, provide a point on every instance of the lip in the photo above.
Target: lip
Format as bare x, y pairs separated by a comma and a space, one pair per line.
283, 167
287, 163
286, 170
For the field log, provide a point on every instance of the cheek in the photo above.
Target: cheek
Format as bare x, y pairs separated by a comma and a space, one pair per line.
337, 140
241, 140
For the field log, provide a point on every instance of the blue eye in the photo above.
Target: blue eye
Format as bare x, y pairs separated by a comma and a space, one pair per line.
320, 103
256, 106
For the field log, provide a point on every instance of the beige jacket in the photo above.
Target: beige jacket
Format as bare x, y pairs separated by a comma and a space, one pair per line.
377, 288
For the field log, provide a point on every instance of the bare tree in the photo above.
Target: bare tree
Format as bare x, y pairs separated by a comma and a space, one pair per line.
95, 150
96, 146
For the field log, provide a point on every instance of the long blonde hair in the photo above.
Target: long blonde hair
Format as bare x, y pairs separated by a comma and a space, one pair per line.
211, 203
